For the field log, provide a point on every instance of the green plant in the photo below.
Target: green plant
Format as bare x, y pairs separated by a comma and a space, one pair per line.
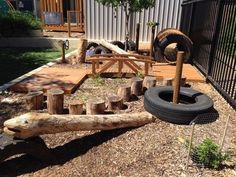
98, 80
129, 6
16, 23
140, 74
152, 24
208, 154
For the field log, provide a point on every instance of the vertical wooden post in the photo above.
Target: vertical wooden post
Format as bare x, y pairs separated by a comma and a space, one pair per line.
120, 66
152, 40
137, 37
178, 74
146, 66
93, 67
69, 23
55, 101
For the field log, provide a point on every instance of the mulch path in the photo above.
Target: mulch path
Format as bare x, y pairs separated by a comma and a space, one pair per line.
156, 149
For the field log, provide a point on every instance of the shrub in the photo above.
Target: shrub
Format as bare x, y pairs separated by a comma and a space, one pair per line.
16, 23
207, 154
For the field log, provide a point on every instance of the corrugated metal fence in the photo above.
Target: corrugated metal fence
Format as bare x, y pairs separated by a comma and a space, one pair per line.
103, 22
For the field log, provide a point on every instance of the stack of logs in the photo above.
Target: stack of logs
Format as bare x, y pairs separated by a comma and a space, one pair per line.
55, 98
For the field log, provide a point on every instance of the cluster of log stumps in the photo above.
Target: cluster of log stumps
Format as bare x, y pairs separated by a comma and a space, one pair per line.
55, 98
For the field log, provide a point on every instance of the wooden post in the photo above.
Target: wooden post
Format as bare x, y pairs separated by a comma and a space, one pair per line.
62, 45
76, 107
69, 23
114, 103
95, 106
148, 82
93, 67
146, 68
152, 40
35, 100
136, 86
82, 47
137, 37
178, 74
124, 91
55, 101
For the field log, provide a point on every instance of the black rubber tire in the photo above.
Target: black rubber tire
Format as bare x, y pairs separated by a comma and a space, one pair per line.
157, 101
119, 44
169, 36
101, 50
91, 45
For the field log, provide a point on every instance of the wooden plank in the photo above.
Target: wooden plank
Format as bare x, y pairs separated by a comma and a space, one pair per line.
106, 66
93, 58
124, 55
93, 68
146, 68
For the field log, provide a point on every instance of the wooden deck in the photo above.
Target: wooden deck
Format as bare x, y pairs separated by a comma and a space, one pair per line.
69, 79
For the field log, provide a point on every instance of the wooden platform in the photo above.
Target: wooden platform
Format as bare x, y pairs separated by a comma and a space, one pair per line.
67, 79
168, 71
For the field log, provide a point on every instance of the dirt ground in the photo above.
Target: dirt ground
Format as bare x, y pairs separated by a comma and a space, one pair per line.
156, 149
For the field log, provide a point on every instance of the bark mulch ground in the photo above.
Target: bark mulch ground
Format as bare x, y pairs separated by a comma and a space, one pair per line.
156, 149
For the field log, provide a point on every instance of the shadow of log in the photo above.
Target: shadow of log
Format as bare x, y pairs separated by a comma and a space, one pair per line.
62, 154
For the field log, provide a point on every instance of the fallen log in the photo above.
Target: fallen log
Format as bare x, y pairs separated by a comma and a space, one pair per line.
34, 124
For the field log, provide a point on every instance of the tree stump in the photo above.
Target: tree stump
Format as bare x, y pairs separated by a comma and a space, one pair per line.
55, 101
136, 86
124, 92
114, 103
149, 82
35, 100
76, 107
95, 106
171, 82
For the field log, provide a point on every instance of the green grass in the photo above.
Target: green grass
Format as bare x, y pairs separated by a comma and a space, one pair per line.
16, 62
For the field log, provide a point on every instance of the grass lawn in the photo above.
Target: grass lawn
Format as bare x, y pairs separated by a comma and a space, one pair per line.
16, 62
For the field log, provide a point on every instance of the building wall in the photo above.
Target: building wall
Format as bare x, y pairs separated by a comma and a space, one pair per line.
103, 22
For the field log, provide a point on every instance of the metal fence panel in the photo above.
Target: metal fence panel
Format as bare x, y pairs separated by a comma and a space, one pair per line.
212, 27
108, 23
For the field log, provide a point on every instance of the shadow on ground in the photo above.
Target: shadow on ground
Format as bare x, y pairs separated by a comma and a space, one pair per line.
27, 164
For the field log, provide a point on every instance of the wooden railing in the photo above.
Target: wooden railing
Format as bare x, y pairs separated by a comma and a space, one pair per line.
131, 61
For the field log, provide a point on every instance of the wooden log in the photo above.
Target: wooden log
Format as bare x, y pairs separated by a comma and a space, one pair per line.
81, 57
148, 82
114, 103
35, 100
34, 124
124, 91
171, 81
55, 101
136, 86
95, 106
76, 107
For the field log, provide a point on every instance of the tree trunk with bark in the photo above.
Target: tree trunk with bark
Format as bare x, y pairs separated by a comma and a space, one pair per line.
55, 101
124, 91
76, 107
136, 86
95, 106
35, 100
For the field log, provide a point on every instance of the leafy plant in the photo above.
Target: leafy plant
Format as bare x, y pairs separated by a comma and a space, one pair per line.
208, 154
16, 23
152, 24
129, 6
98, 80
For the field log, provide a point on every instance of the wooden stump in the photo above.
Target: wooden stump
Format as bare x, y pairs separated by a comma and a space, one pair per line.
35, 100
124, 92
149, 82
171, 82
114, 103
95, 106
55, 101
76, 107
136, 86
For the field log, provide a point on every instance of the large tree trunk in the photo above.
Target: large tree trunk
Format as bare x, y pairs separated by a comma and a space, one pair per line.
34, 124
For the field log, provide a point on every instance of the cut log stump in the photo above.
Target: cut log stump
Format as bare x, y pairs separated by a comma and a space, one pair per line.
114, 103
171, 82
82, 50
76, 107
34, 124
124, 92
136, 86
35, 100
95, 106
55, 101
149, 82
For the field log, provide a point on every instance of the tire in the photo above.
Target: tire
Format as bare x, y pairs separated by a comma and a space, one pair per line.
101, 50
157, 101
169, 36
119, 44
92, 45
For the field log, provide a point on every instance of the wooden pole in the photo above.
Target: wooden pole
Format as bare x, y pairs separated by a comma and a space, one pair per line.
178, 75
137, 37
69, 23
190, 144
152, 40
